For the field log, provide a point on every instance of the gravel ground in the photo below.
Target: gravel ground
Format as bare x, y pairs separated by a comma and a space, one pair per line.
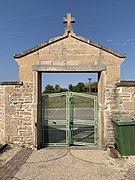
71, 164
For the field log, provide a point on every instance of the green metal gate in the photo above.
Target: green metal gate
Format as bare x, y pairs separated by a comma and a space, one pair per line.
69, 118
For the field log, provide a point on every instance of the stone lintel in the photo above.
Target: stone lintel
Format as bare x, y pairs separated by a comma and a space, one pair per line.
46, 68
126, 84
11, 83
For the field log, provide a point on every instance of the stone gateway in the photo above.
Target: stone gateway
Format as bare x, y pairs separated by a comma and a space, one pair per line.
20, 102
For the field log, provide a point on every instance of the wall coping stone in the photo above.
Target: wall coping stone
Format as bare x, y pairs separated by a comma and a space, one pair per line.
11, 83
126, 84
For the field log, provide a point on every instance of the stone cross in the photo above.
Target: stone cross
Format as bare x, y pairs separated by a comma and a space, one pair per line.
69, 19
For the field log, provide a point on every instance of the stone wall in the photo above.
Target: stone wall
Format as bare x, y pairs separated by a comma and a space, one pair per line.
126, 100
120, 102
1, 114
17, 114
16, 108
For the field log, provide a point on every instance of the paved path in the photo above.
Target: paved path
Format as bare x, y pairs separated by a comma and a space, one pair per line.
67, 164
13, 166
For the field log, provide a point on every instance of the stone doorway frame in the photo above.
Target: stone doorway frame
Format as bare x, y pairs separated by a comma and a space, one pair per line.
37, 71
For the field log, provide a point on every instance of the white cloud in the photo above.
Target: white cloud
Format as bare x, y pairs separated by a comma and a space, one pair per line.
129, 40
124, 44
109, 40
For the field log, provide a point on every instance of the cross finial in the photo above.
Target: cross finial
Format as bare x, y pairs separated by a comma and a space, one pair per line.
69, 19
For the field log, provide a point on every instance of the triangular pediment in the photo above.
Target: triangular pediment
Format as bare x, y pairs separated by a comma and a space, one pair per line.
65, 36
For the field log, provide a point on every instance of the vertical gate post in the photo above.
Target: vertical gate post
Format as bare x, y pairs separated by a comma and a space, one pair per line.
37, 90
101, 107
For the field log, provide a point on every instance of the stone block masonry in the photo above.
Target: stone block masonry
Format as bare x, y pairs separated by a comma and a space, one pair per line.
120, 102
126, 98
1, 114
16, 114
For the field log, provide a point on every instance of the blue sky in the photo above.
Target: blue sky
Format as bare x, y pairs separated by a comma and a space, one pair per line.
24, 24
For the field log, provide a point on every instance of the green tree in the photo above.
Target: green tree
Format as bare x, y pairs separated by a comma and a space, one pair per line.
70, 87
63, 90
94, 87
57, 88
49, 89
80, 87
